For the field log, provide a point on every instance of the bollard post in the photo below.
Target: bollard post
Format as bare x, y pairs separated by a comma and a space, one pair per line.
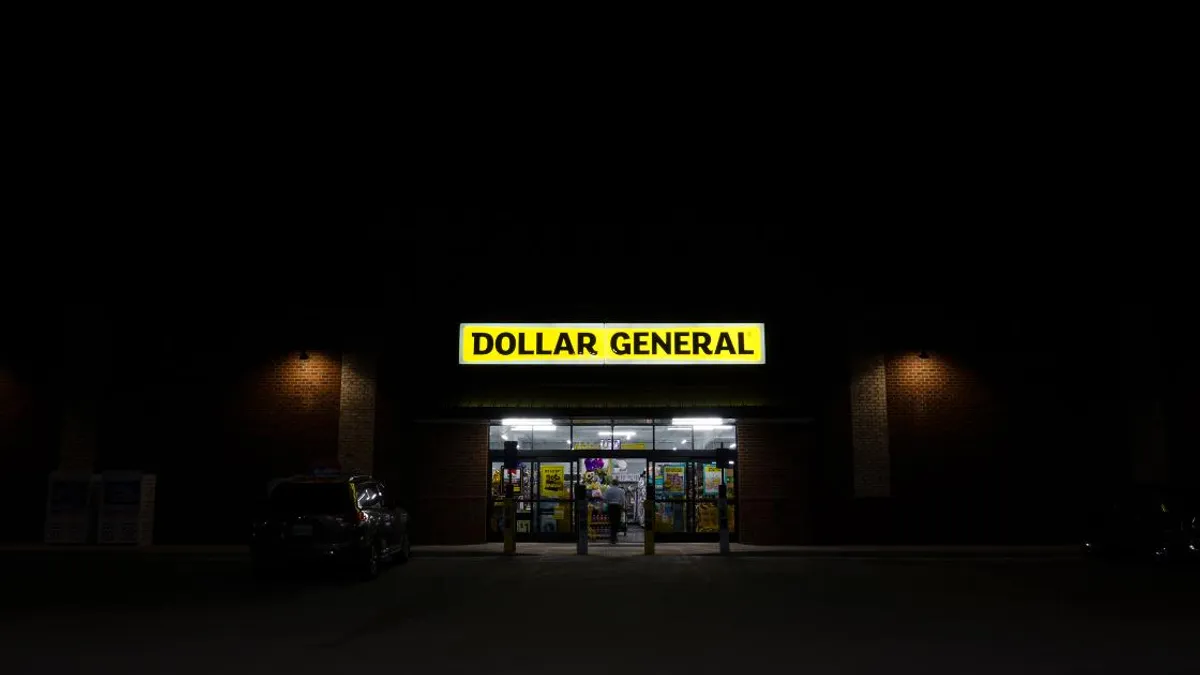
510, 491
510, 522
649, 515
723, 519
581, 522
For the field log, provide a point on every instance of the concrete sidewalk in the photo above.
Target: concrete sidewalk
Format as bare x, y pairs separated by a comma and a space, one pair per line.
603, 549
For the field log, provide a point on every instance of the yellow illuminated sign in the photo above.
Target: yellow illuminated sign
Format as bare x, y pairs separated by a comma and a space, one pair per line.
611, 343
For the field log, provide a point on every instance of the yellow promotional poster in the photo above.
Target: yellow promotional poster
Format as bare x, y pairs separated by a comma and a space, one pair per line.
612, 343
553, 485
706, 515
712, 480
673, 480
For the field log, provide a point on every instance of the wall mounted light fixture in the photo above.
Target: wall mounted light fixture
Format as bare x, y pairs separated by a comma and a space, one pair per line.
303, 354
923, 354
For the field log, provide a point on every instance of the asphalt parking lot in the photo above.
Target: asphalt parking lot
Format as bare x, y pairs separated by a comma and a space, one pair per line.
563, 614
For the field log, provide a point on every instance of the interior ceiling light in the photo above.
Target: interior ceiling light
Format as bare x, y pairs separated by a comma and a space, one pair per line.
526, 420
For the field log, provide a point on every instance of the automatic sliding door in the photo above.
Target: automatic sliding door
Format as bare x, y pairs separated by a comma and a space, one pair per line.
672, 506
554, 507
522, 478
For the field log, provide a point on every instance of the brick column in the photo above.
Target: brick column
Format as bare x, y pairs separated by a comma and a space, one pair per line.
869, 427
356, 413
775, 483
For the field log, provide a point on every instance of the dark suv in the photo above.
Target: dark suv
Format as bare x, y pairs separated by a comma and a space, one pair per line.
1151, 522
349, 520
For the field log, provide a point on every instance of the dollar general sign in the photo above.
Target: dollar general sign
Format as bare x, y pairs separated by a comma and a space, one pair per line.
611, 343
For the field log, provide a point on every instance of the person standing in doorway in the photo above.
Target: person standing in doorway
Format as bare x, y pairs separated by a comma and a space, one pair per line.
614, 498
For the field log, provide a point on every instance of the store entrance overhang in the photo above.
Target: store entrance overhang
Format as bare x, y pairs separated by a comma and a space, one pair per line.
619, 415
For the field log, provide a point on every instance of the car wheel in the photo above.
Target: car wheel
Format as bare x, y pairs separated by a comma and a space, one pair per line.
404, 554
370, 564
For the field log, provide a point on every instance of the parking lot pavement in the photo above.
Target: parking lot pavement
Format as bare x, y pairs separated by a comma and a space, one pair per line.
547, 614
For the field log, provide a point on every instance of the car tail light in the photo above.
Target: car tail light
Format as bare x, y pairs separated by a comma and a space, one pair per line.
362, 517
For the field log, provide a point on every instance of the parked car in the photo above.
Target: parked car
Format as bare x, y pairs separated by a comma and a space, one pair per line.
350, 521
1193, 546
1147, 523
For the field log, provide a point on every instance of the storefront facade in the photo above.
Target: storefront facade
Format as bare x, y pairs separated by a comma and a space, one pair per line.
825, 427
673, 408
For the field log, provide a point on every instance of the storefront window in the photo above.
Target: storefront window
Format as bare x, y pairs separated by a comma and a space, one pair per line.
706, 480
556, 438
624, 453
591, 437
711, 437
530, 435
632, 437
670, 480
673, 437
545, 434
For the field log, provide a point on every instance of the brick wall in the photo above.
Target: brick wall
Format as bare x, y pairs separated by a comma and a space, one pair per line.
869, 426
952, 469
356, 417
289, 407
776, 470
217, 426
439, 473
942, 415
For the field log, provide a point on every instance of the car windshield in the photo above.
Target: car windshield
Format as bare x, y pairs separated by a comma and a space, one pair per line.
311, 498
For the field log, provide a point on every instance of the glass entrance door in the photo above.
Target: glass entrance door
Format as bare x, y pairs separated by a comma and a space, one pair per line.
499, 479
628, 474
706, 480
672, 497
554, 507
686, 494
